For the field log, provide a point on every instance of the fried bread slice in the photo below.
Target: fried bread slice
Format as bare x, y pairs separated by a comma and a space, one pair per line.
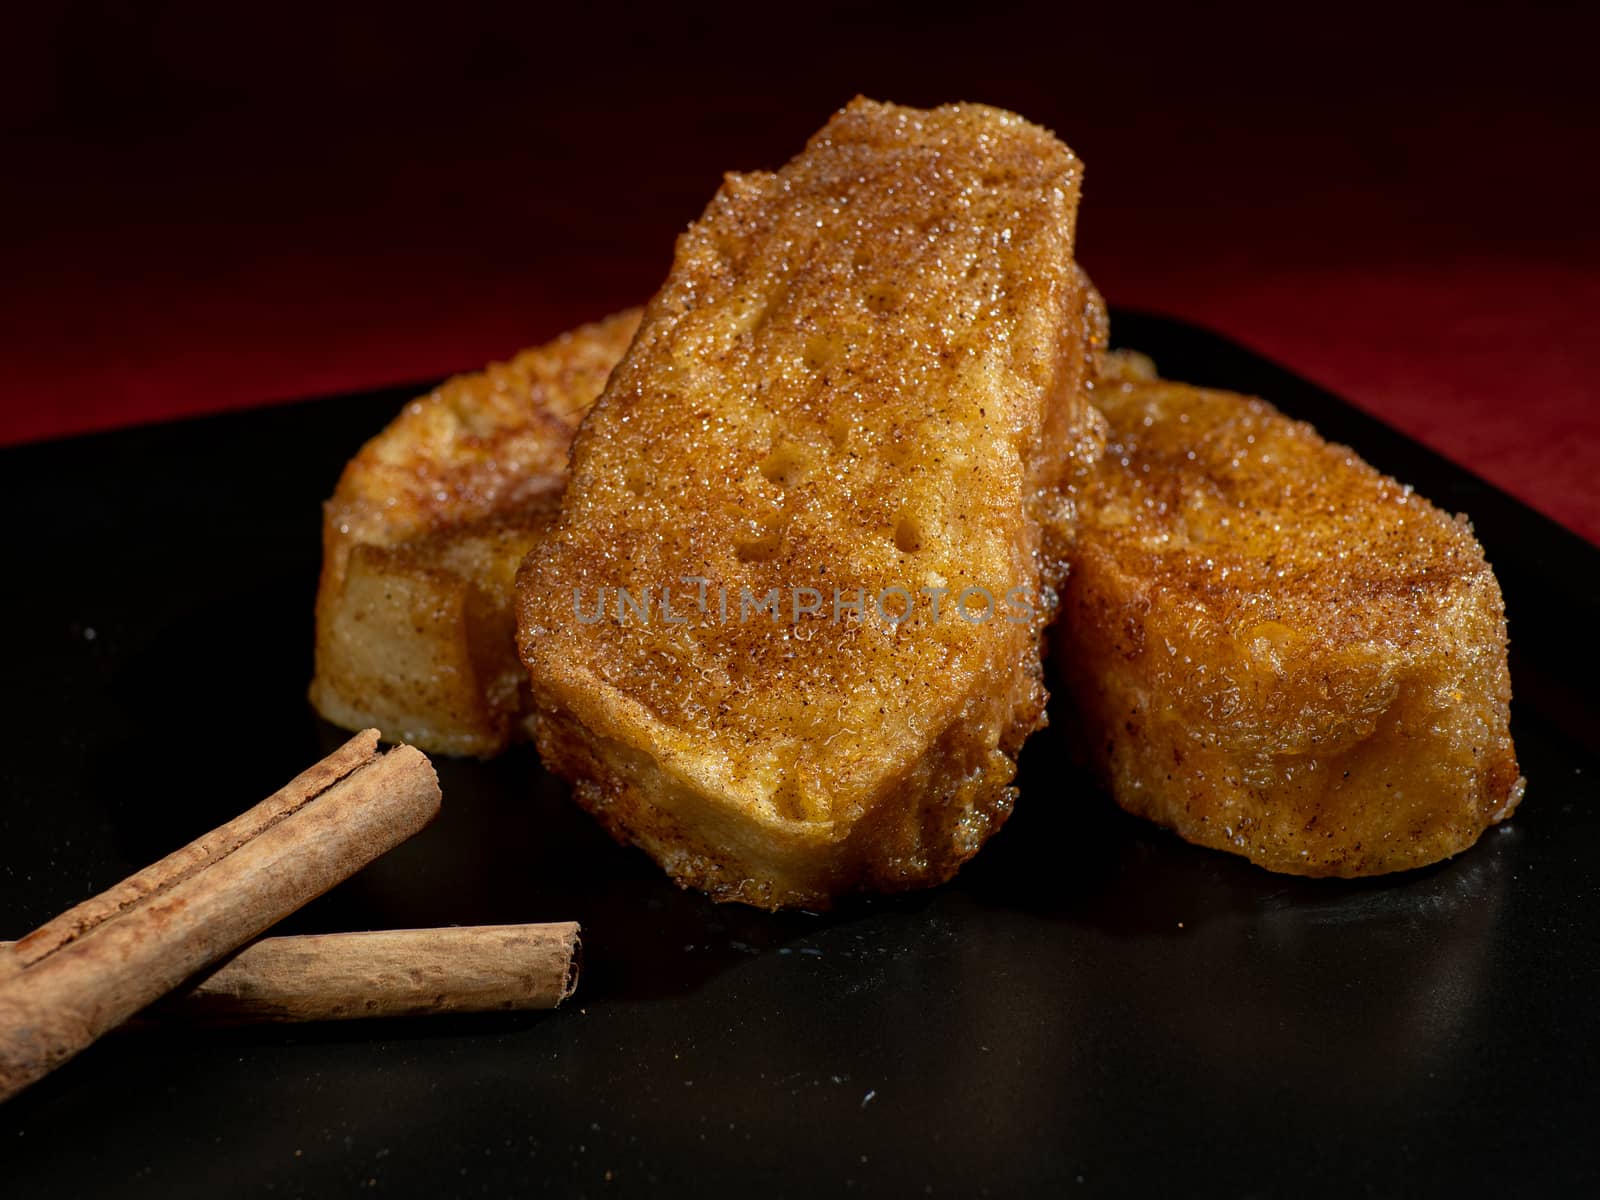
422, 539
862, 373
1275, 650
418, 627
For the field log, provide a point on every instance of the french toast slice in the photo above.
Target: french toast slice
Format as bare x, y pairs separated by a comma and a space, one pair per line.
422, 539
418, 627
1273, 649
863, 373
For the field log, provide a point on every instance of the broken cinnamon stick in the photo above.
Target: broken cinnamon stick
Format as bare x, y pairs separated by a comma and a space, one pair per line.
97, 964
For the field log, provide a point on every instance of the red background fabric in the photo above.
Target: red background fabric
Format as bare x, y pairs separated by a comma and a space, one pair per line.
209, 210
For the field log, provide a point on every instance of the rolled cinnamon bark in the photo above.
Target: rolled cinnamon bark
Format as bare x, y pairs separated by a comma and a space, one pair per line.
96, 965
387, 973
384, 973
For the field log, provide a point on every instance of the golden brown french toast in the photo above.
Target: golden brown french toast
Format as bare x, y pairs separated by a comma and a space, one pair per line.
419, 627
862, 373
1275, 650
422, 539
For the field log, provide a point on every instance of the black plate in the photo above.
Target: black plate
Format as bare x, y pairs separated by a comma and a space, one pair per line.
1092, 1002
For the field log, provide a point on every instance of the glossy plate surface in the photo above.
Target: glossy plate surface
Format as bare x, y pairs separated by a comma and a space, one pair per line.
1092, 1003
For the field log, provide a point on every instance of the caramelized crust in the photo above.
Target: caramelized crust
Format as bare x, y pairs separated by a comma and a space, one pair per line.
422, 539
1275, 650
863, 372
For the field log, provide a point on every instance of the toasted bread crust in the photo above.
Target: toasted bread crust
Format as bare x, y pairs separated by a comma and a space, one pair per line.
863, 371
423, 536
1275, 650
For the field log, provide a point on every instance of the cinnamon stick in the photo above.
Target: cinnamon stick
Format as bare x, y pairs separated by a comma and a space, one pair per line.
97, 964
388, 973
